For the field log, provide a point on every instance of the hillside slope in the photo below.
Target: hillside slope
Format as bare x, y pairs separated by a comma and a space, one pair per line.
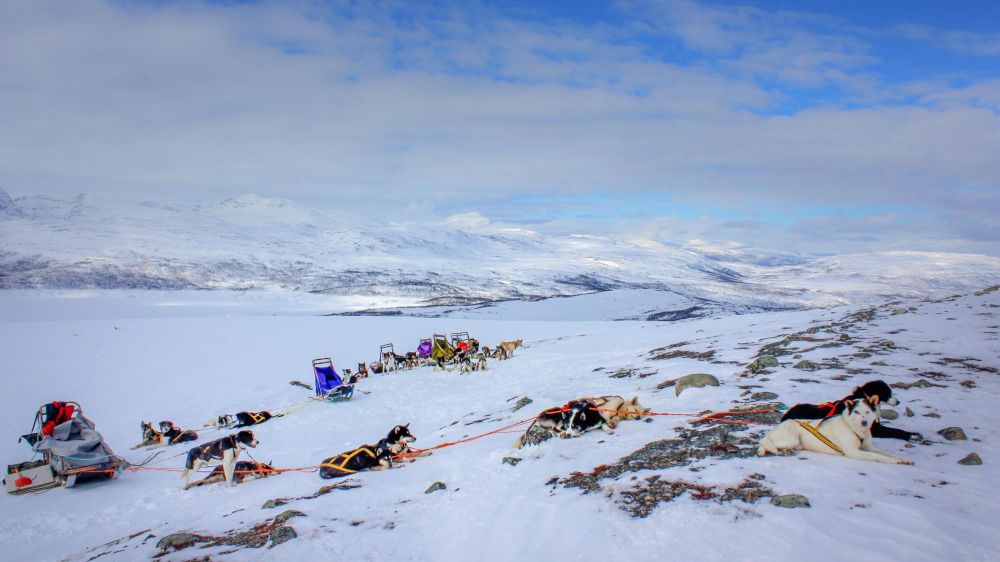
651, 488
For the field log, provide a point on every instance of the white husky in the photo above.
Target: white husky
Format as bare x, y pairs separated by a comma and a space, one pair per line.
848, 434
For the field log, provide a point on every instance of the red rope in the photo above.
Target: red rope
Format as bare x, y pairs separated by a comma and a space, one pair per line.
713, 416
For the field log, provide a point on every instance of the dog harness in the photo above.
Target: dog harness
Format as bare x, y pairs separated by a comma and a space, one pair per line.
346, 458
819, 436
257, 418
211, 450
831, 408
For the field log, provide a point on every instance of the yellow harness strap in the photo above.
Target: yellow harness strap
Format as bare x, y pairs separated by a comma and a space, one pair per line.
346, 458
257, 418
819, 436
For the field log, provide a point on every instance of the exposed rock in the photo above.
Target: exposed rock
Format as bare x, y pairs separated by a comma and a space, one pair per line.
790, 501
908, 412
435, 487
880, 363
535, 435
806, 365
694, 380
968, 384
760, 364
284, 516
671, 346
889, 414
511, 460
922, 383
645, 496
177, 541
666, 384
953, 434
348, 484
524, 401
805, 380
763, 396
971, 459
932, 415
301, 384
702, 356
282, 534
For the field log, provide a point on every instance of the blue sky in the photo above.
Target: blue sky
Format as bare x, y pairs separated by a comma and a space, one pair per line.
804, 126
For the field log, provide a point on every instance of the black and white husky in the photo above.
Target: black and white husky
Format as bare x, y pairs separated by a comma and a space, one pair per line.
242, 419
244, 471
876, 392
847, 434
170, 434
227, 449
369, 457
585, 414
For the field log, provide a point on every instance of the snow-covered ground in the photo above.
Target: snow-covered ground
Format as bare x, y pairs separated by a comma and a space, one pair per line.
128, 357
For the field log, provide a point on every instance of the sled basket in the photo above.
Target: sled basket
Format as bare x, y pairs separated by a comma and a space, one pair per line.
329, 385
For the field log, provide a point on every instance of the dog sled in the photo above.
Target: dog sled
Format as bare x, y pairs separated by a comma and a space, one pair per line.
72, 452
424, 349
329, 384
387, 356
462, 342
441, 349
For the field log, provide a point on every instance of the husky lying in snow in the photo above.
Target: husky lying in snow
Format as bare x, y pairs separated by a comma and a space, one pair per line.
585, 414
877, 391
847, 434
149, 436
369, 457
169, 434
242, 419
244, 472
227, 449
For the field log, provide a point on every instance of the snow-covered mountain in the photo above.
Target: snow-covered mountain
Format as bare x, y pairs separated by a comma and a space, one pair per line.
253, 242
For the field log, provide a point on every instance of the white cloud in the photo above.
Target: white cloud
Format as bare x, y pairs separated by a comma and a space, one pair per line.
468, 105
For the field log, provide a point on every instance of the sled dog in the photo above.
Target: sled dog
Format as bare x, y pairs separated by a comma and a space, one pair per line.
847, 434
877, 391
227, 449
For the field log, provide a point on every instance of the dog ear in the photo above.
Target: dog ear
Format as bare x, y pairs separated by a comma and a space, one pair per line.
874, 399
849, 405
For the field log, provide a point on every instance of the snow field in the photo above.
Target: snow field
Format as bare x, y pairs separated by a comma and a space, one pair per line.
190, 364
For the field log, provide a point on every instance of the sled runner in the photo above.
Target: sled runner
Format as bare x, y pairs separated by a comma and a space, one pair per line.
329, 385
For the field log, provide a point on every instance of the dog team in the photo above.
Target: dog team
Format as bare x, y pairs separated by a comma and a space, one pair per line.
843, 427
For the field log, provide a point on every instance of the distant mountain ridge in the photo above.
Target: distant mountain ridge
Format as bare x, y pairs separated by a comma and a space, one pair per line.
252, 242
